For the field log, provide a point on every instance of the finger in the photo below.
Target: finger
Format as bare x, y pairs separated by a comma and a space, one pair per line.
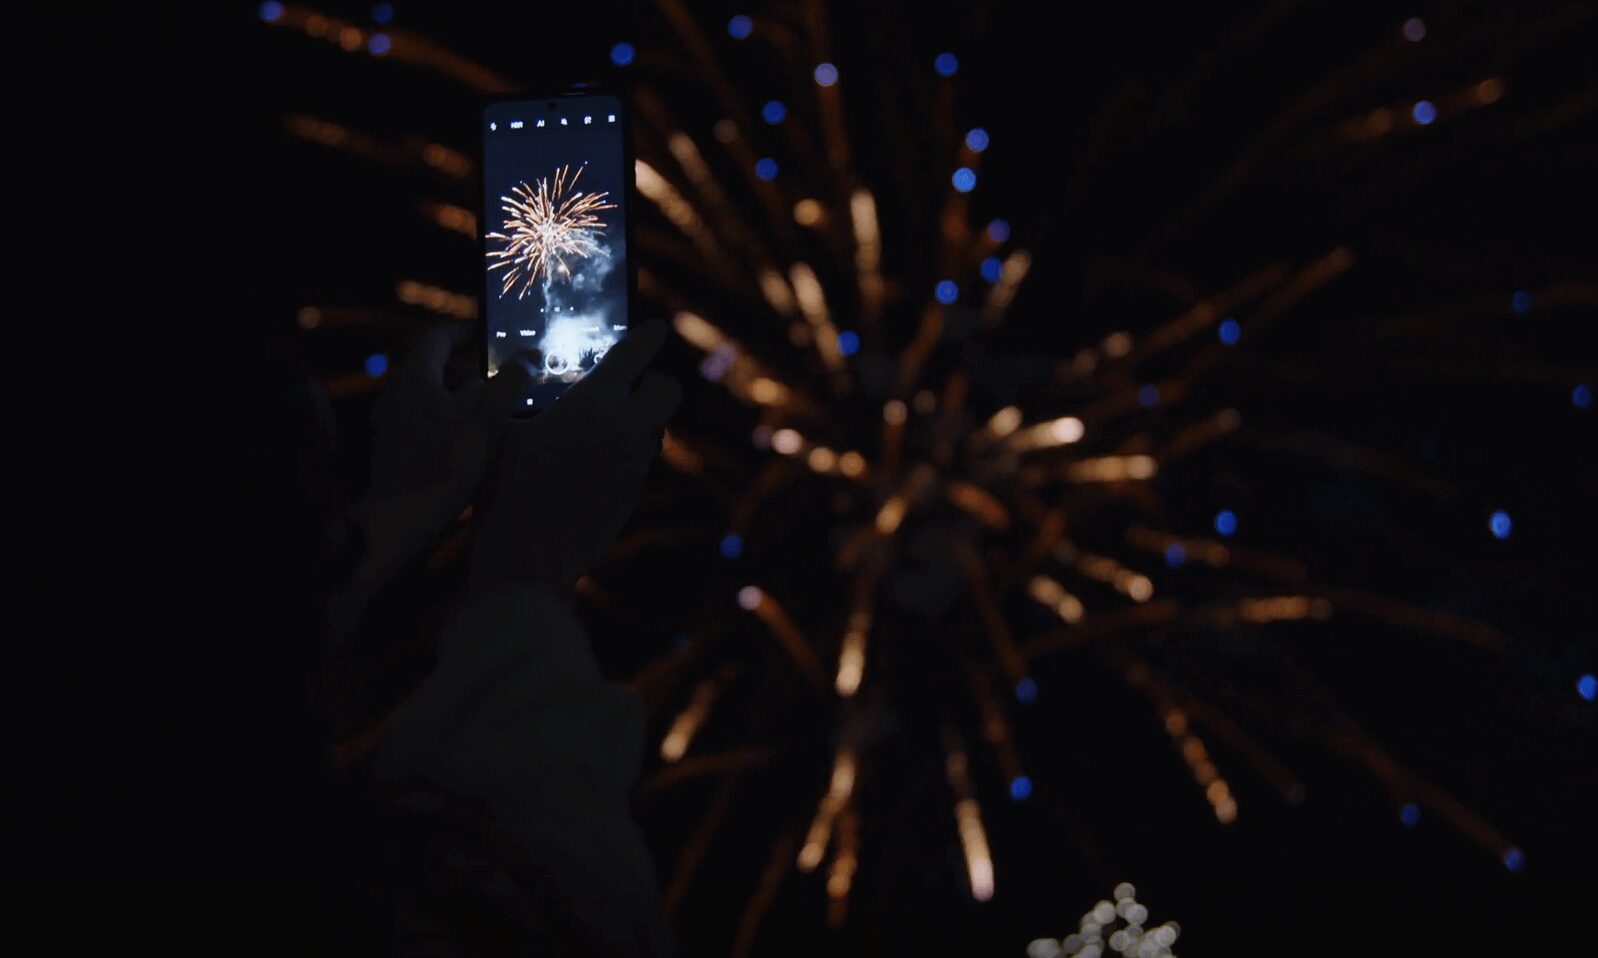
652, 403
506, 393
425, 364
622, 364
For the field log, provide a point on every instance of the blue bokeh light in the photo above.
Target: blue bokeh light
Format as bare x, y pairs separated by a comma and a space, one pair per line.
773, 112
826, 74
740, 27
1424, 112
1581, 396
1409, 815
732, 545
379, 43
999, 230
946, 64
1229, 331
376, 365
1175, 555
714, 366
679, 641
382, 12
947, 292
848, 342
1026, 691
1500, 524
992, 269
1148, 396
1587, 687
1514, 860
1020, 788
622, 54
977, 139
1225, 522
1520, 302
766, 168
269, 11
1414, 29
964, 179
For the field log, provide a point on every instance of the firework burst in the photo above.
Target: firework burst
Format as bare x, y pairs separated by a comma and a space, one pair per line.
973, 527
545, 226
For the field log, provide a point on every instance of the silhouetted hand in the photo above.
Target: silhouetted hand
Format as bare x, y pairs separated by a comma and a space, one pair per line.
569, 478
431, 449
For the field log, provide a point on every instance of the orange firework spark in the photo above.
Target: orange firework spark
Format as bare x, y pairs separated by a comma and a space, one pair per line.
545, 225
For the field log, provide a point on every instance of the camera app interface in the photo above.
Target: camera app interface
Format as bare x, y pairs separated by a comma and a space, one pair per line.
555, 265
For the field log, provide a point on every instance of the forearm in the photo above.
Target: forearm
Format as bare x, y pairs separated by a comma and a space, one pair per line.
517, 716
379, 538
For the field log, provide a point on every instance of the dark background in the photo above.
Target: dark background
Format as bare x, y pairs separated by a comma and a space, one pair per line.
157, 736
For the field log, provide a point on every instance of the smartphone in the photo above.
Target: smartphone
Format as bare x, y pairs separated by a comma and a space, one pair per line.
557, 180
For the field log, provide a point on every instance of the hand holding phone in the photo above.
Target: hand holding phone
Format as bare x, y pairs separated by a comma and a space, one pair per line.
569, 478
431, 448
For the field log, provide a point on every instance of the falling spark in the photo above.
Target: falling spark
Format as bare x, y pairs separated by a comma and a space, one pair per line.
1216, 791
728, 363
658, 190
1053, 595
852, 657
839, 788
698, 331
445, 160
544, 226
754, 599
1012, 272
1133, 585
456, 219
968, 821
813, 306
689, 720
1283, 608
777, 292
457, 305
1112, 469
676, 454
977, 501
765, 893
995, 730
868, 253
840, 876
402, 45
1207, 551
891, 514
1055, 432
1003, 423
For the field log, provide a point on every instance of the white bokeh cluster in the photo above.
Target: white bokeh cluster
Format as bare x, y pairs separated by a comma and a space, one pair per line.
1112, 927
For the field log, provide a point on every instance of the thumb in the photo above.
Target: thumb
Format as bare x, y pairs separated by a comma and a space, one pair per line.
424, 367
506, 393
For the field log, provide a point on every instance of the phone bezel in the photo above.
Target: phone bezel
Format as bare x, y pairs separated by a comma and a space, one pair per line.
629, 176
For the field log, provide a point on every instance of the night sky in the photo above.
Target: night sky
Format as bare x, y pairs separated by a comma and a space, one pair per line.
1146, 159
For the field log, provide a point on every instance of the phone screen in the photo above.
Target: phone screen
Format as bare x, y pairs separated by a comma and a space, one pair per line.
554, 225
